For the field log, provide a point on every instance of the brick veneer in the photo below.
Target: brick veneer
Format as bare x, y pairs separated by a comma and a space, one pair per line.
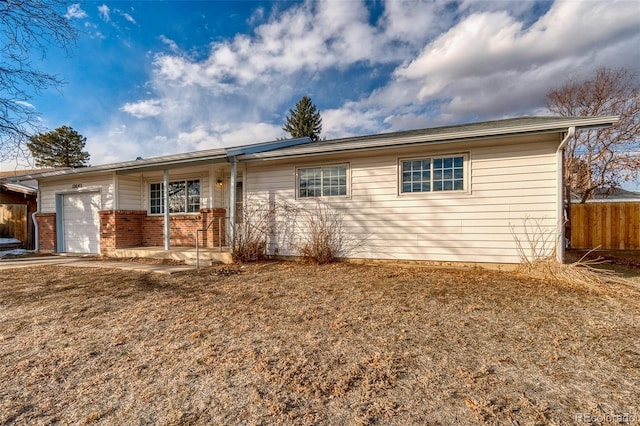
47, 231
182, 229
134, 228
121, 229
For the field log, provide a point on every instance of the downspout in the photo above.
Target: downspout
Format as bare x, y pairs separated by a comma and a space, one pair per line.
167, 244
560, 189
232, 201
36, 236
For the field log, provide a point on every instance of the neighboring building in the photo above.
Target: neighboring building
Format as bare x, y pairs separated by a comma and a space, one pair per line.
450, 194
617, 195
18, 194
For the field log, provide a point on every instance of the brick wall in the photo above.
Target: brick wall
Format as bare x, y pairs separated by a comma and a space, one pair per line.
182, 229
121, 229
47, 231
133, 228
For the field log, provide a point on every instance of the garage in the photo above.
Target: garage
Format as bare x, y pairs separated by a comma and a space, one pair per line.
81, 222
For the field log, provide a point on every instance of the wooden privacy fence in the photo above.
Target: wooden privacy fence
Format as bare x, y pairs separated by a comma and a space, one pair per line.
13, 221
609, 226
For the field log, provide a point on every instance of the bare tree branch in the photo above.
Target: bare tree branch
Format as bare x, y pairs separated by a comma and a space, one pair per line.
28, 28
601, 158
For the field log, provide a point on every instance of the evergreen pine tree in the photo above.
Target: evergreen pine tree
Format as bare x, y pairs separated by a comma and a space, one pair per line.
62, 147
304, 121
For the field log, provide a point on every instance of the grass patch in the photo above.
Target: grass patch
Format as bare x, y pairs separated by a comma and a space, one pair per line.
288, 343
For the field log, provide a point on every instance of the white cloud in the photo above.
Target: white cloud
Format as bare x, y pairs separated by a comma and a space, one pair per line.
25, 104
479, 60
416, 21
75, 11
489, 65
170, 43
128, 17
104, 12
143, 109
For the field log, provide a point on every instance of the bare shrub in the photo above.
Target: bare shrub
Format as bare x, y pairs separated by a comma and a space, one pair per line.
314, 230
252, 231
537, 241
538, 260
322, 234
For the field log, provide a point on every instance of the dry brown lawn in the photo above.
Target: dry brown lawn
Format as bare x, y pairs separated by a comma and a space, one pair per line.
283, 343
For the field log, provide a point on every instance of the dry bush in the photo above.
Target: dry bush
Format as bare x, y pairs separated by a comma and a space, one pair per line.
252, 231
323, 237
538, 260
537, 242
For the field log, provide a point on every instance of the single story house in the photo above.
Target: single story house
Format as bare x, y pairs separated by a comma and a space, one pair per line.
476, 193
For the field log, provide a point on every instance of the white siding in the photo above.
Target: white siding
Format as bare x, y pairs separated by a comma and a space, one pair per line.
130, 192
80, 183
218, 172
510, 181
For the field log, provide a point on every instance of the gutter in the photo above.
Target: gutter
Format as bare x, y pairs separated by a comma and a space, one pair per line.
560, 188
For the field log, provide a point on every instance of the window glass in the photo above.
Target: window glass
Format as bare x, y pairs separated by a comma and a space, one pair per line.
193, 193
328, 181
416, 175
177, 195
157, 198
437, 174
184, 196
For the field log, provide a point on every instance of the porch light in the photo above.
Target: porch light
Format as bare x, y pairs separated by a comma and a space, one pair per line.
219, 182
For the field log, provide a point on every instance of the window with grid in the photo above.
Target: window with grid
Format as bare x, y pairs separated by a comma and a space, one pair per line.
184, 197
327, 181
432, 174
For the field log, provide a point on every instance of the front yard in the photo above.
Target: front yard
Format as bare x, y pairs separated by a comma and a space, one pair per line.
341, 344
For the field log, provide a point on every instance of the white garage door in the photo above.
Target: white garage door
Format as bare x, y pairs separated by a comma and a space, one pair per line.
81, 222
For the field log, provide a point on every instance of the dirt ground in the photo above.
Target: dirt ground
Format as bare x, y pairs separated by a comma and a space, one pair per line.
283, 343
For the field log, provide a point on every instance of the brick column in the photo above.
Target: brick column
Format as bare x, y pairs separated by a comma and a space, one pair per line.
47, 232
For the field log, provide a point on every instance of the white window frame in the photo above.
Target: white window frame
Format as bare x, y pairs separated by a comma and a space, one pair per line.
466, 185
185, 181
322, 168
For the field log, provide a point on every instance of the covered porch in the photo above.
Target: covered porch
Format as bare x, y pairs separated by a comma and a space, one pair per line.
172, 206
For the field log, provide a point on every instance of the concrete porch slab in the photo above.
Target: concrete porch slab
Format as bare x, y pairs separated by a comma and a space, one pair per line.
186, 254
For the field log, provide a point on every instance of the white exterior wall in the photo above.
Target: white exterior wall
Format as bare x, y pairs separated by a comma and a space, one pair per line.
129, 192
509, 181
70, 184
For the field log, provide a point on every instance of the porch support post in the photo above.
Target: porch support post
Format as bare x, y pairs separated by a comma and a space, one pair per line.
167, 245
232, 200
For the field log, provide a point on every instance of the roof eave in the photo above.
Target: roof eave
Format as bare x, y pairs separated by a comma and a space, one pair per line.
458, 136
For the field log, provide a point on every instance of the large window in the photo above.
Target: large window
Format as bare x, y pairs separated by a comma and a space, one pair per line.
184, 197
325, 181
433, 174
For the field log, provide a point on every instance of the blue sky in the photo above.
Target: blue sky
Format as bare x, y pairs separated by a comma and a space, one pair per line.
149, 78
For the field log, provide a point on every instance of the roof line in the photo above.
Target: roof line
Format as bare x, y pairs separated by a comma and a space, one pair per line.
302, 147
397, 139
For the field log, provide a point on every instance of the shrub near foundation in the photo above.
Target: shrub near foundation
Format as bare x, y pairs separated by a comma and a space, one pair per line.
323, 235
250, 239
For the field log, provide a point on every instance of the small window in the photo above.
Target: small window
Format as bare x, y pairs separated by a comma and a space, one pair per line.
327, 181
432, 174
184, 197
